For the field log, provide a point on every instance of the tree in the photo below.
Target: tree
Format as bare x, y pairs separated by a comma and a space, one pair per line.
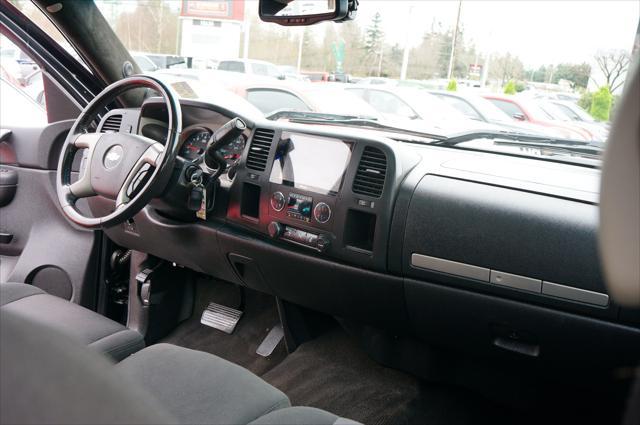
351, 33
506, 67
614, 65
160, 33
578, 74
585, 100
373, 42
510, 87
601, 104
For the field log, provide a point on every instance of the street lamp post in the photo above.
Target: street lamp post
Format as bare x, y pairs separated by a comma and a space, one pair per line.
453, 43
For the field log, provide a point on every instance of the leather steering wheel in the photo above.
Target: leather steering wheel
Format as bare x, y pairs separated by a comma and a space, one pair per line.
116, 163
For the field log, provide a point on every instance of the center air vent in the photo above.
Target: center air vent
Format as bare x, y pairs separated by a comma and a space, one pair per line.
371, 173
111, 124
259, 149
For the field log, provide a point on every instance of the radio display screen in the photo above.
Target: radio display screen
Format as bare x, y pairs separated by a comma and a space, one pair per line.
313, 163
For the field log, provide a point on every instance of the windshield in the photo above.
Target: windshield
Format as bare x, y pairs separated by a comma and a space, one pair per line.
519, 51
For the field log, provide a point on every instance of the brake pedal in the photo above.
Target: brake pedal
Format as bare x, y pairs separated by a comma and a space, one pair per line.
271, 341
221, 317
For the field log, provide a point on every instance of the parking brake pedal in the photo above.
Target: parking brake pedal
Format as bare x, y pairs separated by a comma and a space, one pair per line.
221, 317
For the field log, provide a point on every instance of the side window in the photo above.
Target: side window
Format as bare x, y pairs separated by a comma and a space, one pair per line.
273, 71
508, 108
568, 112
233, 66
268, 101
259, 69
462, 106
23, 98
388, 103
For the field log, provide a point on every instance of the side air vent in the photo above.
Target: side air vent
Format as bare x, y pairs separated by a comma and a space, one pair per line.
259, 149
112, 124
371, 173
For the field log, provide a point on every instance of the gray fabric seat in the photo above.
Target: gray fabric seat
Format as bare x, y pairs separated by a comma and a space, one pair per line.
301, 415
46, 377
84, 325
197, 387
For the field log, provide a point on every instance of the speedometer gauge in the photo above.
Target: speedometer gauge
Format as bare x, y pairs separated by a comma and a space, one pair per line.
195, 145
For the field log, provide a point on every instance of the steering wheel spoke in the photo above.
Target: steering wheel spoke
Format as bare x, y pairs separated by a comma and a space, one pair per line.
150, 158
82, 188
86, 141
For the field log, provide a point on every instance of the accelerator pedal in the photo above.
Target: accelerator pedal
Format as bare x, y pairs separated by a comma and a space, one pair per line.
221, 317
271, 341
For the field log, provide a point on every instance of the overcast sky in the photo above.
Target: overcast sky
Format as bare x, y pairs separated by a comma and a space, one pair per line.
539, 32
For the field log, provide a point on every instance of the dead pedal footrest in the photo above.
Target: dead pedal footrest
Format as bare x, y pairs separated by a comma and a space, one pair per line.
221, 317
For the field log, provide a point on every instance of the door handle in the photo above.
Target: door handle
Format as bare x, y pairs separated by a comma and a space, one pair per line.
5, 238
8, 185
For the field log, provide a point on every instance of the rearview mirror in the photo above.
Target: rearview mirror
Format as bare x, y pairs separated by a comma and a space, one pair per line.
302, 12
519, 117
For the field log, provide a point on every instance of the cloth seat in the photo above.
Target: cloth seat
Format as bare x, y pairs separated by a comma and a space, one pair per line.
46, 377
86, 326
197, 387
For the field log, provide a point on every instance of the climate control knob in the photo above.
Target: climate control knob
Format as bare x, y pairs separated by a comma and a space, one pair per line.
278, 201
275, 229
323, 243
322, 212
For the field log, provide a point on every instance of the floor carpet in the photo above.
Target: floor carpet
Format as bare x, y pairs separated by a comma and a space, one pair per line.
332, 373
259, 316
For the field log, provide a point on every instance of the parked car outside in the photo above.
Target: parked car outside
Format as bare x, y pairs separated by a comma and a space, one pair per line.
14, 60
477, 108
596, 131
317, 76
271, 97
291, 73
18, 108
251, 67
576, 113
527, 110
406, 103
144, 62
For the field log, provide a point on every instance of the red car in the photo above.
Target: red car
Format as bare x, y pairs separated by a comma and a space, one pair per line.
526, 110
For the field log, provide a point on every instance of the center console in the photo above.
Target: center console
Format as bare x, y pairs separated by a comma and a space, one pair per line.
307, 174
320, 192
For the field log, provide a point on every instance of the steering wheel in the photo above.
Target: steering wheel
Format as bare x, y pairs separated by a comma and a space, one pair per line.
116, 164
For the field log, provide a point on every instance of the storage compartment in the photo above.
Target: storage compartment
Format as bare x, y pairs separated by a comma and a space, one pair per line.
527, 236
490, 325
250, 203
359, 231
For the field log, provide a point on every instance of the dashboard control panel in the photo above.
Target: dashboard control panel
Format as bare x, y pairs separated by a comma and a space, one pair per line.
297, 187
310, 209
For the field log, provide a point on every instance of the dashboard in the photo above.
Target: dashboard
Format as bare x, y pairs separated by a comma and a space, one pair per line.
481, 251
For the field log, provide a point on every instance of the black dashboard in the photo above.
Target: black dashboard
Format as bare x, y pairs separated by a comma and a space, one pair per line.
489, 252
